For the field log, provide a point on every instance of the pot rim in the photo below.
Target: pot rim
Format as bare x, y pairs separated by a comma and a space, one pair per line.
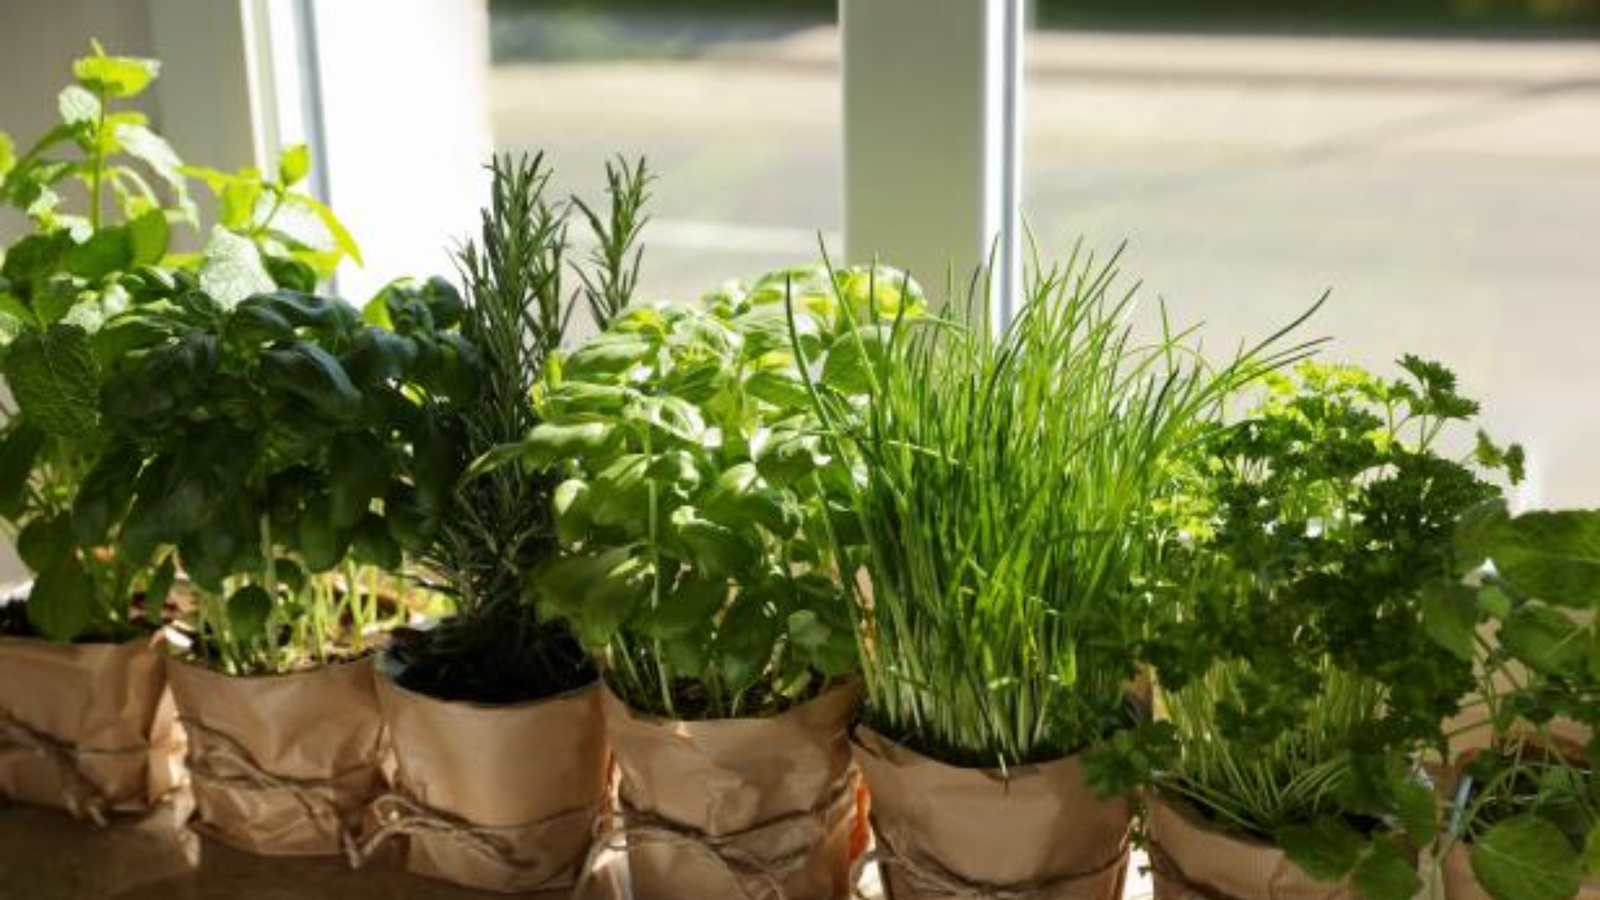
850, 683
1011, 773
194, 665
385, 669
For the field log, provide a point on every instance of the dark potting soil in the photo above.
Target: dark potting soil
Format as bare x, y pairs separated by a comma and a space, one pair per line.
499, 659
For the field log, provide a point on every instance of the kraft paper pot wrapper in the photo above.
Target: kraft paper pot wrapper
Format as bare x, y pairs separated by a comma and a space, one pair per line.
953, 832
281, 764
737, 808
494, 797
88, 727
1195, 860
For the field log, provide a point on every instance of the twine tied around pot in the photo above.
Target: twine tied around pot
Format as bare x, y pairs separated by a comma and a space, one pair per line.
84, 798
1165, 868
400, 814
218, 760
619, 829
927, 876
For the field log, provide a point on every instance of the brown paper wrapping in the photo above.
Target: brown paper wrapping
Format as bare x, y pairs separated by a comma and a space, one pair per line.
495, 797
282, 765
742, 809
1193, 860
1461, 884
88, 728
951, 833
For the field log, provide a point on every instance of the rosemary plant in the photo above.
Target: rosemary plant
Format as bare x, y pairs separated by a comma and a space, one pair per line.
1007, 500
486, 530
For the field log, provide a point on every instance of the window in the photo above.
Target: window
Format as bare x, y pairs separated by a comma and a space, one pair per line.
1447, 191
735, 106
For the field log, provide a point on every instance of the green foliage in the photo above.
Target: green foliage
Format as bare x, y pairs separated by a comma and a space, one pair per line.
1531, 807
1317, 646
85, 288
1527, 858
264, 442
698, 495
484, 531
1007, 496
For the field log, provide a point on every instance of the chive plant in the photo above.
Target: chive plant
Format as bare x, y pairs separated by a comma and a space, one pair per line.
1006, 498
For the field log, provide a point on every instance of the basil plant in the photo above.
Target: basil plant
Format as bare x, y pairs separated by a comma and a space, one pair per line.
104, 197
698, 497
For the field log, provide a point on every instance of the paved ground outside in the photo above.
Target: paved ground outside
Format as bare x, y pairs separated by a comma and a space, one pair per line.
1447, 192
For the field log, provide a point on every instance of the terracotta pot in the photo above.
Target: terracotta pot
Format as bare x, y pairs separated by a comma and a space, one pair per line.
1461, 884
281, 764
495, 797
946, 832
88, 728
1191, 859
737, 808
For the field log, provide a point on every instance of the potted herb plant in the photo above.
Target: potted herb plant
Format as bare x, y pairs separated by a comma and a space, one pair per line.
694, 516
1299, 681
472, 702
252, 430
1526, 811
1009, 490
84, 722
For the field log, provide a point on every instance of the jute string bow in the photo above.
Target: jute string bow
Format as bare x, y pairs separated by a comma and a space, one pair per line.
83, 797
927, 877
216, 759
754, 876
399, 814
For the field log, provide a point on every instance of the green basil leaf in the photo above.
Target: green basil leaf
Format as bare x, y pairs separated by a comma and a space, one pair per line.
45, 542
249, 610
19, 452
61, 606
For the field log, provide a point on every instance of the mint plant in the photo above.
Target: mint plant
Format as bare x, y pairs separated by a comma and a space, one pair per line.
102, 194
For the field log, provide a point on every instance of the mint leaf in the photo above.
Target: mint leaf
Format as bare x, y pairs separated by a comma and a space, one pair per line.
55, 380
294, 165
78, 106
1526, 858
115, 76
232, 270
153, 150
8, 156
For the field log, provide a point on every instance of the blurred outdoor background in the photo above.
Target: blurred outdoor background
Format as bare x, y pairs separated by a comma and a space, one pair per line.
1433, 163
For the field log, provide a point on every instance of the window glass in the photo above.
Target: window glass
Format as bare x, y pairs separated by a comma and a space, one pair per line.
735, 106
1445, 187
